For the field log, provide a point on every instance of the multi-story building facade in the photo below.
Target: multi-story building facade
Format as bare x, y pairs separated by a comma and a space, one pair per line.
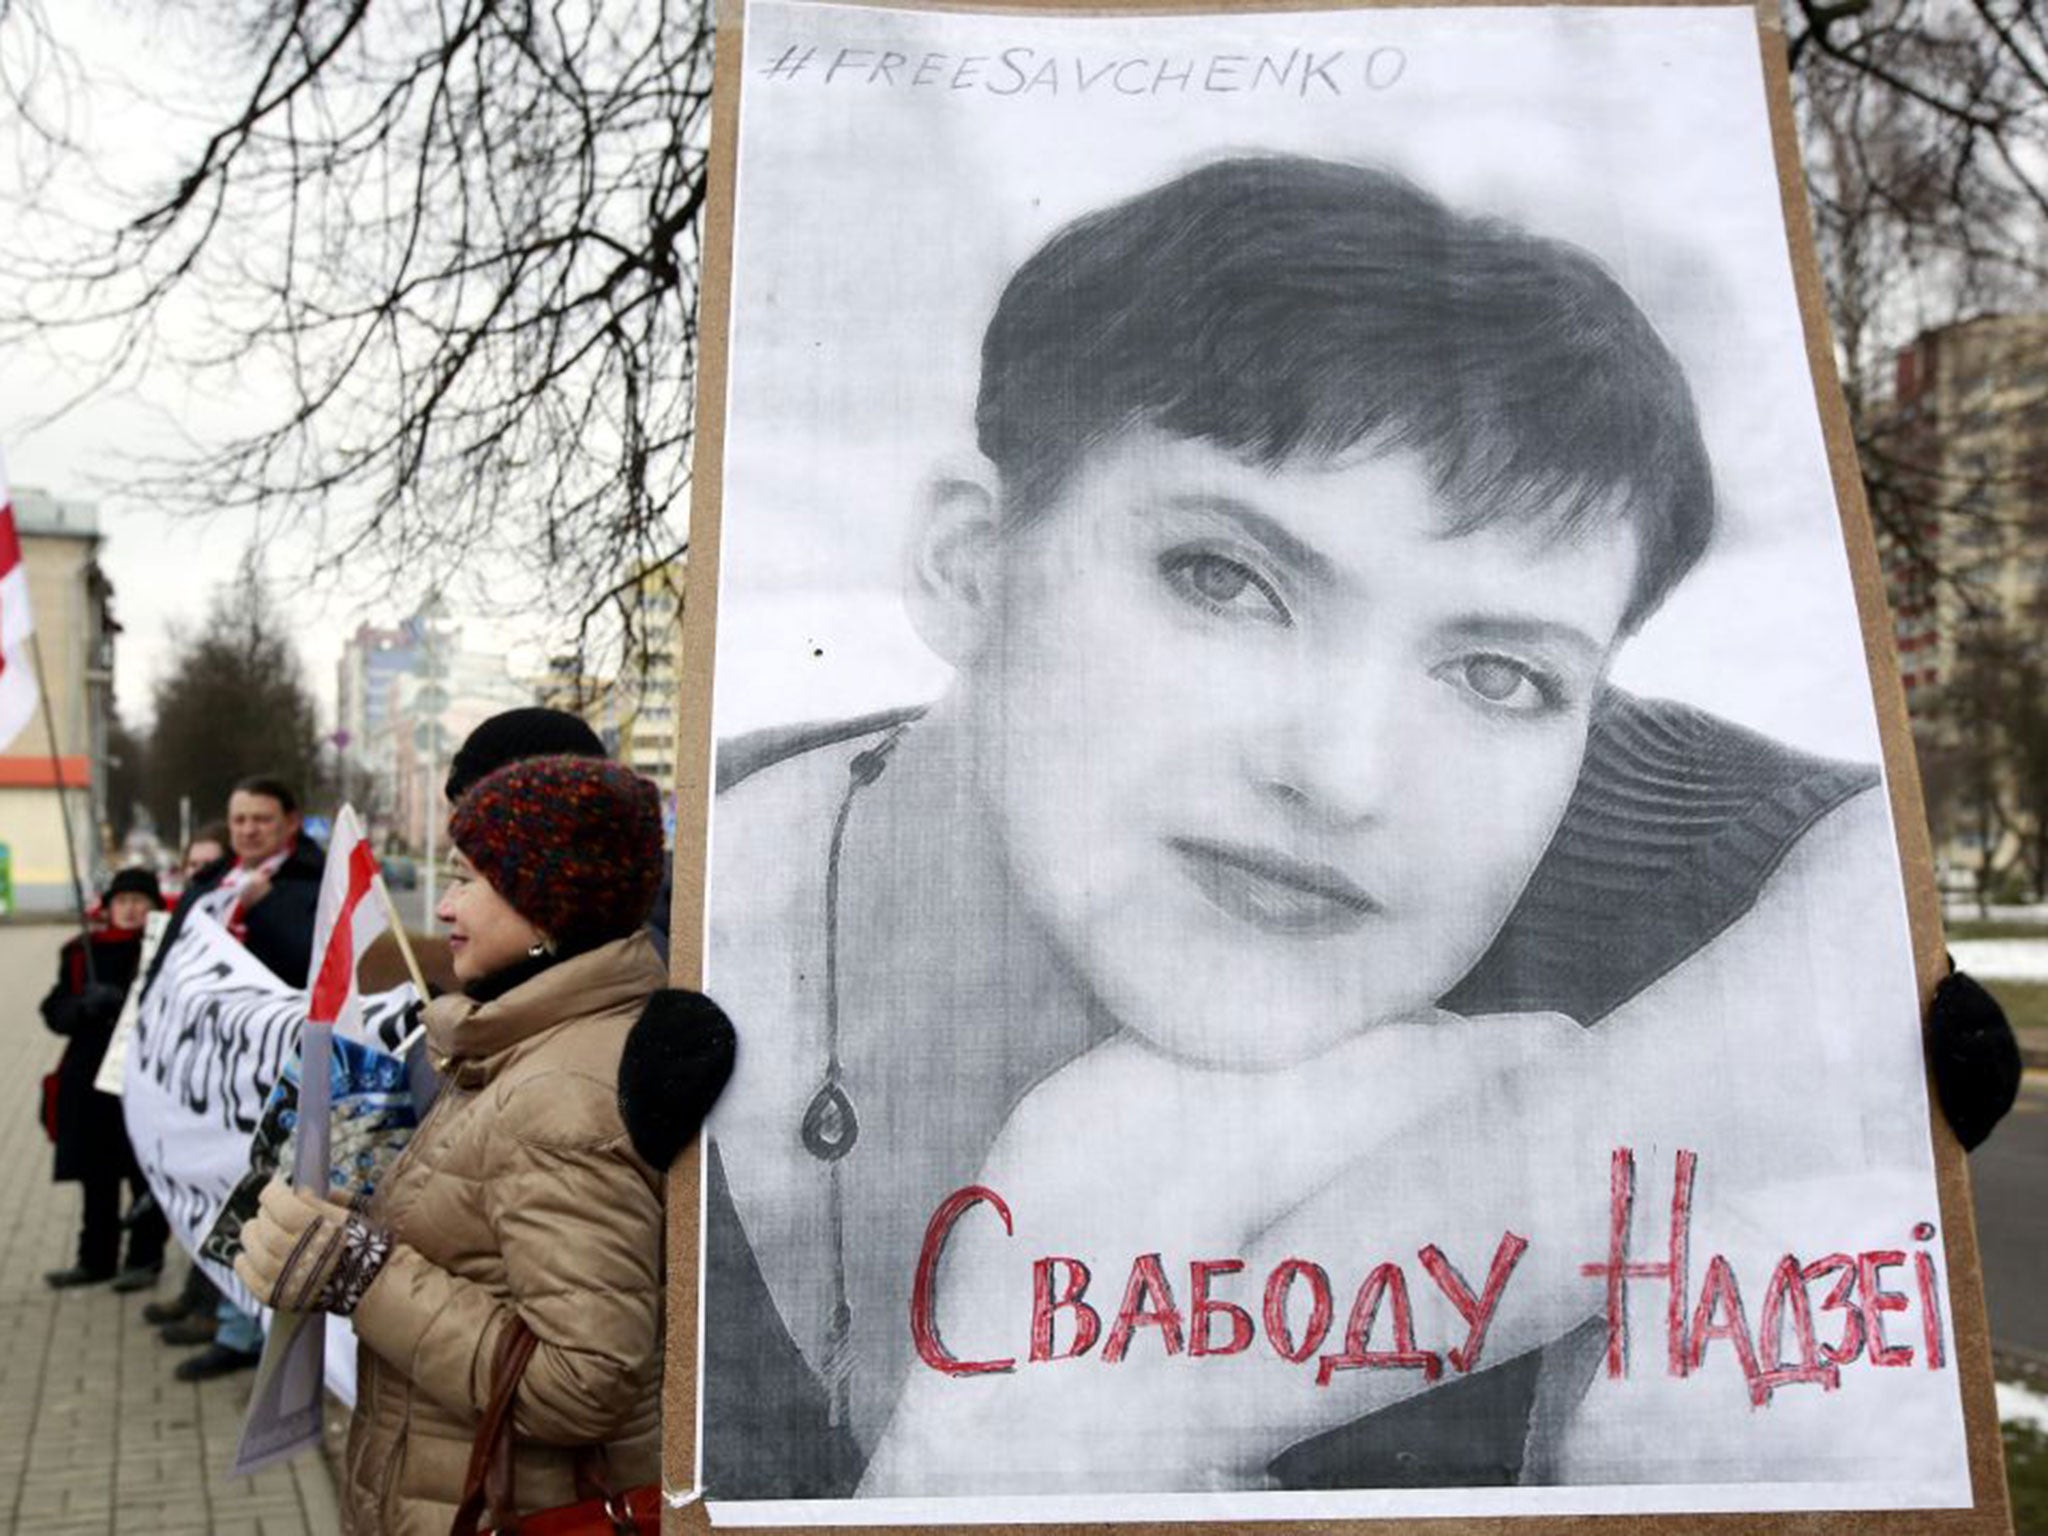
43, 789
1963, 463
373, 662
449, 689
1959, 482
634, 713
648, 687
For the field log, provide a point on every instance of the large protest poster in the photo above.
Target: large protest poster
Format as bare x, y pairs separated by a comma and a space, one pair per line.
1294, 807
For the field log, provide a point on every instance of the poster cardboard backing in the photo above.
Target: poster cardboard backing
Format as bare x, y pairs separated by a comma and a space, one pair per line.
685, 1511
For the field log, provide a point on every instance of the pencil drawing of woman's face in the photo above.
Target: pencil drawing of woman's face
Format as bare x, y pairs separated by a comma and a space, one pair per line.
1271, 754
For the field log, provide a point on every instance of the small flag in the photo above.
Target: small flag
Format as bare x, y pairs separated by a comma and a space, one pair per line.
17, 672
344, 924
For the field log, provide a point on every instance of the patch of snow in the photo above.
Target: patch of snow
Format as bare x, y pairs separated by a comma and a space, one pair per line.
2021, 1405
2002, 959
1963, 909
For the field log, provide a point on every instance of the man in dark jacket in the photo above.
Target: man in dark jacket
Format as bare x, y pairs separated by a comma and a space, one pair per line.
92, 1142
264, 892
265, 889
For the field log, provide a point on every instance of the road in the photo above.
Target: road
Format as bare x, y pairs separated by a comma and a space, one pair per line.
2009, 1177
412, 909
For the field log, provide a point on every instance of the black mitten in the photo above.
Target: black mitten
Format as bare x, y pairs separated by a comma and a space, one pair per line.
677, 1059
1975, 1057
101, 1004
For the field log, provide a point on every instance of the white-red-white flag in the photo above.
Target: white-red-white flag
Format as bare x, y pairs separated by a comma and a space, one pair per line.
344, 923
17, 671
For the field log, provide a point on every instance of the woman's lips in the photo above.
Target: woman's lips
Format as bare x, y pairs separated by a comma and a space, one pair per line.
1274, 891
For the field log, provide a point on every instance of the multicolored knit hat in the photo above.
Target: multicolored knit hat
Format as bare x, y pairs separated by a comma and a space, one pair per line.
573, 843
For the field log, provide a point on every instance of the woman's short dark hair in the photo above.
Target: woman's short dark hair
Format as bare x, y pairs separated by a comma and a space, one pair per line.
1283, 307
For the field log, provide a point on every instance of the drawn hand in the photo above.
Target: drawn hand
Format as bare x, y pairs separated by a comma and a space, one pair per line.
1127, 1152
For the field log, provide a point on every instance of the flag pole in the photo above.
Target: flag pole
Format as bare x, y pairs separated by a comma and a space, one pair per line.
397, 923
412, 963
35, 647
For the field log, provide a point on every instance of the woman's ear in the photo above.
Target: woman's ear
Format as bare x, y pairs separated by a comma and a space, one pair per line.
950, 571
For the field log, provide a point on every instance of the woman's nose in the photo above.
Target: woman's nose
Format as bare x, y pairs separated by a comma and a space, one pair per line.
1336, 756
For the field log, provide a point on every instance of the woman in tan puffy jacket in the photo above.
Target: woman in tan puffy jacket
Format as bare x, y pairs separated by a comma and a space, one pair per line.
520, 1193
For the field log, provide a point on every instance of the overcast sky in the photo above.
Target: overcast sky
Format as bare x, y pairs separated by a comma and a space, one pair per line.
141, 89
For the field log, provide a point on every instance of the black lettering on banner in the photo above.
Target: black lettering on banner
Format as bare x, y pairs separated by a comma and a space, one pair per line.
387, 1017
213, 1044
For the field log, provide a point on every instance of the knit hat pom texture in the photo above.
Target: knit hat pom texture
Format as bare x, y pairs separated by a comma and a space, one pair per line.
572, 843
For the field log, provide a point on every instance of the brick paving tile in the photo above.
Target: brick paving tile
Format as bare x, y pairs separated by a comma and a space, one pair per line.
96, 1436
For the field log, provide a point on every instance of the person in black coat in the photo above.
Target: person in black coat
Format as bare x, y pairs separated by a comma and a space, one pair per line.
92, 1141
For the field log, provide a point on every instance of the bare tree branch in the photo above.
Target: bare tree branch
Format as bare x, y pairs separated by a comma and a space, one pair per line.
460, 238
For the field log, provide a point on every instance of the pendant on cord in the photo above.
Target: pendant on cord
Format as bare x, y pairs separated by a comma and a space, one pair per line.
830, 1125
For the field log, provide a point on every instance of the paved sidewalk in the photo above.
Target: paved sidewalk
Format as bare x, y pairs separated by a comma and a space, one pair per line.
95, 1433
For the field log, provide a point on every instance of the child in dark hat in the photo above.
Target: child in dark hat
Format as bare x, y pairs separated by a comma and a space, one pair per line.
92, 1140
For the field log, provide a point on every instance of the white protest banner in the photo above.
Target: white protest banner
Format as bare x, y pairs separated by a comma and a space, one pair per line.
212, 1037
212, 1034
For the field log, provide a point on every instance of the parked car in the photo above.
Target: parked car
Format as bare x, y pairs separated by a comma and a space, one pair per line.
400, 873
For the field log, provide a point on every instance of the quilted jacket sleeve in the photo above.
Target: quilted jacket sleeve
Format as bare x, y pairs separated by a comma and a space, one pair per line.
577, 1219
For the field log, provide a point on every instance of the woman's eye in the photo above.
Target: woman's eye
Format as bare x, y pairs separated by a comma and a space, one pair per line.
1222, 585
1505, 683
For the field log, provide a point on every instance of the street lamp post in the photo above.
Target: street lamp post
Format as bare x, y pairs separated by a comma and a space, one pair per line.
431, 702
